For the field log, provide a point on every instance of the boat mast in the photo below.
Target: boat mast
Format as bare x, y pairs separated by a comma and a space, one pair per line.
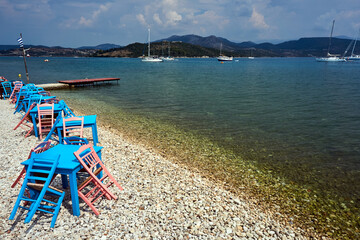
352, 52
332, 29
169, 49
149, 43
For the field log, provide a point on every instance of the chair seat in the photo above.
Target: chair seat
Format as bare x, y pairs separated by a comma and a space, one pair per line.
39, 187
89, 178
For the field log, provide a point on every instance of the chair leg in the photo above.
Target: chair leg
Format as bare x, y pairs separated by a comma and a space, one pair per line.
21, 175
57, 209
88, 202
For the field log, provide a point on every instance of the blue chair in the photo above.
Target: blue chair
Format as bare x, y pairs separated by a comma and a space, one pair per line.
74, 140
67, 111
7, 89
52, 134
37, 180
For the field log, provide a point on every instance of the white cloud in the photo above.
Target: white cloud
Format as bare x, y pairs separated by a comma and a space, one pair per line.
172, 18
157, 19
94, 16
258, 20
141, 19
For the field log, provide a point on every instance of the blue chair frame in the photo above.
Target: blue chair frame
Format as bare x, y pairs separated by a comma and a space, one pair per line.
39, 170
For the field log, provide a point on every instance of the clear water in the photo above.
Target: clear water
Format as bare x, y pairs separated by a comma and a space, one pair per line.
297, 115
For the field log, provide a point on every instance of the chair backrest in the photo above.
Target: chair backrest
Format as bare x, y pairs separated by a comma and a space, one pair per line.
44, 93
41, 169
73, 140
90, 161
46, 118
42, 147
17, 86
66, 110
7, 88
51, 100
46, 110
73, 126
88, 157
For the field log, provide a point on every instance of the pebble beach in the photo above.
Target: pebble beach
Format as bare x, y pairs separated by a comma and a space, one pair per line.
160, 200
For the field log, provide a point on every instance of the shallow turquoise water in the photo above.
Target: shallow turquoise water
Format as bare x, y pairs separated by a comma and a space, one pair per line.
295, 113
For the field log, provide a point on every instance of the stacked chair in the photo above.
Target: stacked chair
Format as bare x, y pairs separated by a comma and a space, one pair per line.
94, 187
7, 89
35, 179
46, 118
26, 121
17, 86
42, 147
39, 170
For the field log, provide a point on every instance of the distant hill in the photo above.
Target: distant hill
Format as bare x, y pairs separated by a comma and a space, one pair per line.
316, 46
105, 46
209, 42
195, 46
43, 51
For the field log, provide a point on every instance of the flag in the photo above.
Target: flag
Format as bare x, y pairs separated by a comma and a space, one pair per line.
20, 42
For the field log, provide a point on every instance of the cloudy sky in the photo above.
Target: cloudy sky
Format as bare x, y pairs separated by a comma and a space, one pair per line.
75, 23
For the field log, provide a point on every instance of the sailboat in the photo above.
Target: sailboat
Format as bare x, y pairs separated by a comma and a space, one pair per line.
354, 57
150, 58
168, 58
331, 57
251, 55
222, 58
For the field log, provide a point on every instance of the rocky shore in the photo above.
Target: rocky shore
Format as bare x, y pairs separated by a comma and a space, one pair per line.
160, 200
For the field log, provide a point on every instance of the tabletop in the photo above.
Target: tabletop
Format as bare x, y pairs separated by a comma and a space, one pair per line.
67, 159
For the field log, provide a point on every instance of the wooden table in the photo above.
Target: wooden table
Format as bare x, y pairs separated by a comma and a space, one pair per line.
68, 166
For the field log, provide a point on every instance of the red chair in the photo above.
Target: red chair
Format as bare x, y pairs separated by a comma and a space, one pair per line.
17, 86
73, 126
26, 121
46, 118
94, 187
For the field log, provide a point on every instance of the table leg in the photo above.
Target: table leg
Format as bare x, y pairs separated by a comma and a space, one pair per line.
74, 194
64, 180
59, 130
33, 117
95, 134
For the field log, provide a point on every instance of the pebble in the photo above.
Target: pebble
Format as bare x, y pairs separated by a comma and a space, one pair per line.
160, 200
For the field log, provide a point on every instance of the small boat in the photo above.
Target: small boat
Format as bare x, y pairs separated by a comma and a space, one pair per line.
150, 58
46, 60
331, 57
223, 58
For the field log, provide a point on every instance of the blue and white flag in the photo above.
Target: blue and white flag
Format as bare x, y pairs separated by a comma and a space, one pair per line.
21, 42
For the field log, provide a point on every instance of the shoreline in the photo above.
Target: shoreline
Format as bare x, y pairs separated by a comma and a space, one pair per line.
161, 199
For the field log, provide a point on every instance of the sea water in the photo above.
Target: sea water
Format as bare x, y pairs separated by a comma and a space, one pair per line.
295, 117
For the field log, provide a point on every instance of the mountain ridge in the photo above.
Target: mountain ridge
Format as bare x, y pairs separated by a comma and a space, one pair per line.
302, 47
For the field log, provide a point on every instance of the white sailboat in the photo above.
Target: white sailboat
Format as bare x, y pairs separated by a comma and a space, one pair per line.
331, 57
223, 58
168, 58
354, 57
150, 58
251, 54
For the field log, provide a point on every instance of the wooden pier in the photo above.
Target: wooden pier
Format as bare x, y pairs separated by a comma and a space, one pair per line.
92, 81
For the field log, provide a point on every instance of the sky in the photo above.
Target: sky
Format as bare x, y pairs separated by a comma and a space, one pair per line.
76, 23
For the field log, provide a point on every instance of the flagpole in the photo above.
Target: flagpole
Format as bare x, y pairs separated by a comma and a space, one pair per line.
27, 74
